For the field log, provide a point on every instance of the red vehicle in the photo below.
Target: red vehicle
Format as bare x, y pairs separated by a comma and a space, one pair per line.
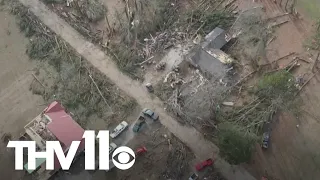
202, 165
141, 150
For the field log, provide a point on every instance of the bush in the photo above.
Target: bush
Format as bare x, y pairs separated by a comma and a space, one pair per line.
279, 84
92, 9
235, 145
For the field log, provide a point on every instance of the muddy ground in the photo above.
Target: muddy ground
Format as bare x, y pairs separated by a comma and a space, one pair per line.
166, 158
17, 104
160, 162
293, 152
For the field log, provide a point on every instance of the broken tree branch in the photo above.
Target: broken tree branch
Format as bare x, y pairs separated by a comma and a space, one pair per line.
303, 60
145, 61
229, 4
244, 78
217, 6
193, 36
292, 53
279, 24
38, 80
271, 40
104, 99
275, 17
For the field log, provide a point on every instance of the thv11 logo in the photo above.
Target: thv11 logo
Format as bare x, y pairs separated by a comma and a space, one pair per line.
123, 157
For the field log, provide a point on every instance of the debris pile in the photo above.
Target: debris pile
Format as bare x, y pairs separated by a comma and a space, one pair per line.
177, 163
161, 41
160, 66
174, 79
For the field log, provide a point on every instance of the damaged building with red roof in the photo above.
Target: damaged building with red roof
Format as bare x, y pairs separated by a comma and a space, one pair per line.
53, 124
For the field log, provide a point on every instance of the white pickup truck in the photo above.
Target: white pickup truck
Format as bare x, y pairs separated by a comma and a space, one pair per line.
121, 127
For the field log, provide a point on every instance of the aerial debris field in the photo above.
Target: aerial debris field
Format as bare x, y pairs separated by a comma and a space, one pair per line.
243, 74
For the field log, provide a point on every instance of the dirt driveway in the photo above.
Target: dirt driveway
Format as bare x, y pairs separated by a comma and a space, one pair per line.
17, 104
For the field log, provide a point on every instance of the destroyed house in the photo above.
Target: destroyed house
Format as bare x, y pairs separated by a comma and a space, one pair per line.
53, 124
208, 57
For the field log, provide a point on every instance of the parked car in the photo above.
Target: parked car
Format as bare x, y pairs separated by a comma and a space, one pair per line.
137, 126
141, 150
112, 147
194, 176
151, 114
202, 165
121, 127
265, 140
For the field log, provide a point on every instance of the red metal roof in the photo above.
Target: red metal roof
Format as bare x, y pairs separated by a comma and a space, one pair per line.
63, 127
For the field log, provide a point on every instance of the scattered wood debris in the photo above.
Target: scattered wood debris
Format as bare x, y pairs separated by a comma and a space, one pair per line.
160, 66
173, 79
162, 41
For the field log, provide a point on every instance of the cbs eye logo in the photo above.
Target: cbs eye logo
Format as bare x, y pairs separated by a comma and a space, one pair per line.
123, 158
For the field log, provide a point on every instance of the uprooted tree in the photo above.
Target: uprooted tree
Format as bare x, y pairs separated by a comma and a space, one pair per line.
235, 145
274, 92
